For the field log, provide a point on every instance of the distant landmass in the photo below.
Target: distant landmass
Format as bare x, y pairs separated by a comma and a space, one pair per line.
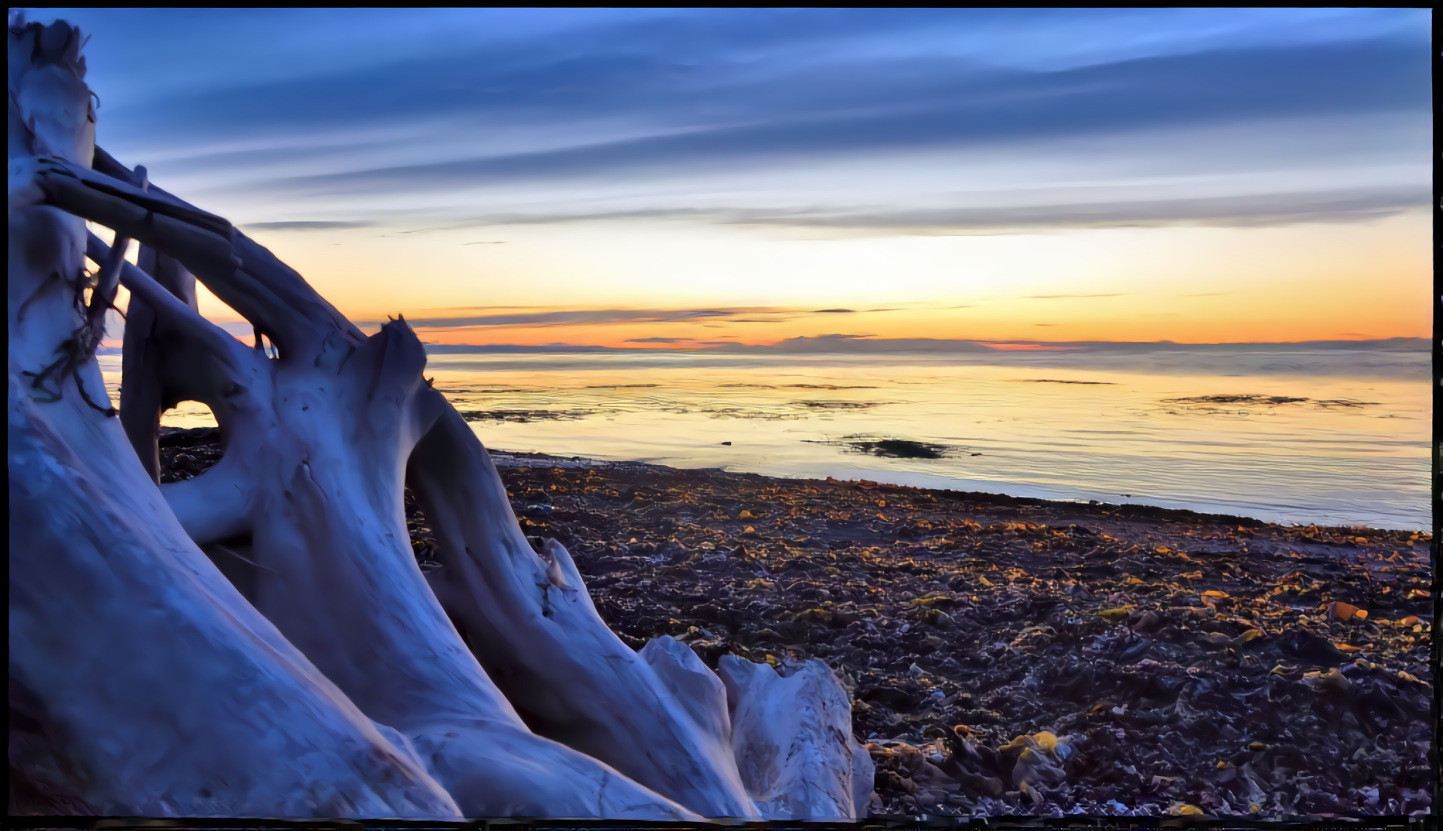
855, 345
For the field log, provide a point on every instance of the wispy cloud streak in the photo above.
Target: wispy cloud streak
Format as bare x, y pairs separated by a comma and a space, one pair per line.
593, 317
307, 225
1244, 210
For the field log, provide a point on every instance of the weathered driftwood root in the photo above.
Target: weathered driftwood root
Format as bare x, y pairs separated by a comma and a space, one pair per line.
317, 455
326, 435
793, 741
529, 621
226, 718
141, 683
150, 353
533, 626
317, 443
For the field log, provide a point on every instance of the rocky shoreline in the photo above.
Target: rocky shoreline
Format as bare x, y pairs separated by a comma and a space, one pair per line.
1014, 656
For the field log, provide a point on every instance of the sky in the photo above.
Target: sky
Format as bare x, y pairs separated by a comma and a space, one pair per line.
659, 178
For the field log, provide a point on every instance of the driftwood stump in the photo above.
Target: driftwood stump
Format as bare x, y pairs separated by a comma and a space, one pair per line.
320, 672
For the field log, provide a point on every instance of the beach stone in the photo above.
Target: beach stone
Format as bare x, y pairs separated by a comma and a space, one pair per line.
1338, 610
1154, 692
1149, 622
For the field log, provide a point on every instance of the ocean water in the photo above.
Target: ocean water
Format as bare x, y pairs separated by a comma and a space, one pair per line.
1069, 426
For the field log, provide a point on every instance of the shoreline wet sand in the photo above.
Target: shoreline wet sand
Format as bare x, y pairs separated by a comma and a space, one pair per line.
1012, 656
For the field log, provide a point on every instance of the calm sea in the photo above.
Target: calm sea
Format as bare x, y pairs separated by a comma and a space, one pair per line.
1104, 427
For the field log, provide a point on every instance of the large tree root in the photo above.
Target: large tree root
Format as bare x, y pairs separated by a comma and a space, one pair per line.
532, 625
357, 670
227, 719
141, 682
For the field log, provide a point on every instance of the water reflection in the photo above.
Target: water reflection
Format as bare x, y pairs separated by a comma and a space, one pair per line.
1056, 426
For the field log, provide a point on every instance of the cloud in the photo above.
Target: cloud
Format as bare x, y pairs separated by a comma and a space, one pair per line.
1359, 204
834, 311
1244, 210
575, 107
860, 344
1064, 296
1391, 344
512, 348
592, 317
683, 341
583, 317
306, 225
670, 108
905, 105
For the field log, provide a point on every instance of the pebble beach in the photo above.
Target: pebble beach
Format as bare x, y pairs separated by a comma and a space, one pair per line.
1011, 656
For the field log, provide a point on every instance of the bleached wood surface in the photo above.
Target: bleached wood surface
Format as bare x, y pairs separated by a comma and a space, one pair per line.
793, 741
141, 683
322, 674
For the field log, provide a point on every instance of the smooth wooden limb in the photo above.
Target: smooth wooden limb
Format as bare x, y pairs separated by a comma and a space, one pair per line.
262, 274
147, 344
172, 309
793, 741
532, 625
243, 274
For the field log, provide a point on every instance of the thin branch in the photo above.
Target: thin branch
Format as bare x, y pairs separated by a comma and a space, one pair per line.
169, 272
176, 312
204, 243
261, 271
141, 385
198, 239
129, 188
102, 297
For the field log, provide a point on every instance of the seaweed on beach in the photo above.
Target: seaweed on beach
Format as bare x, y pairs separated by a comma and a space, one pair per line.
739, 412
1011, 656
1267, 400
185, 454
888, 448
837, 405
524, 416
481, 390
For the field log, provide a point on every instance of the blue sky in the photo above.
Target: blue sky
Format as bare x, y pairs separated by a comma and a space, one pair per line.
627, 158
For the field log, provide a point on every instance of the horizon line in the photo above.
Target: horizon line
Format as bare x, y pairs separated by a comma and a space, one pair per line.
839, 344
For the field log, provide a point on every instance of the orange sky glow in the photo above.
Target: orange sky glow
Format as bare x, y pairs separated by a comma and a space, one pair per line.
1358, 281
673, 179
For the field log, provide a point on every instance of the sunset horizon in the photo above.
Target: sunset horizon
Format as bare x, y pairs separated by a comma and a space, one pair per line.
1195, 175
722, 415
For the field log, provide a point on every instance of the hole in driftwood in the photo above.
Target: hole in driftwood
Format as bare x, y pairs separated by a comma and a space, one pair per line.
423, 540
186, 453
